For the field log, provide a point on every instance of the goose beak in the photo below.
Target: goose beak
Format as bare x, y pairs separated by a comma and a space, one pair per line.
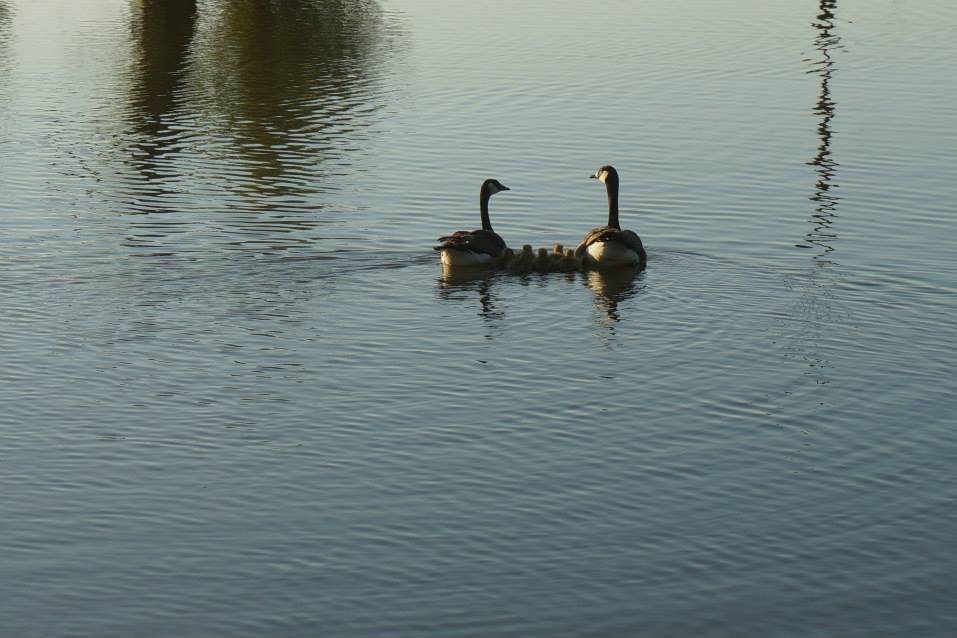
505, 188
595, 176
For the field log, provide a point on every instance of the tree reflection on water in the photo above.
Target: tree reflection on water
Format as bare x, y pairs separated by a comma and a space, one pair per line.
4, 32
269, 70
277, 67
163, 30
251, 104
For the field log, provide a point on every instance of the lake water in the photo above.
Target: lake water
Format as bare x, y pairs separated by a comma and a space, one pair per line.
239, 396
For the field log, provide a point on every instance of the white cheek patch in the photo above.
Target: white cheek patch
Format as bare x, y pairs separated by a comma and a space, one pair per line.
602, 176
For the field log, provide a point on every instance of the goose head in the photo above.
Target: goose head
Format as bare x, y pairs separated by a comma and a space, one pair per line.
492, 186
605, 174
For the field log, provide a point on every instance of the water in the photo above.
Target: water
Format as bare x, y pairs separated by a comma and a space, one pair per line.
240, 397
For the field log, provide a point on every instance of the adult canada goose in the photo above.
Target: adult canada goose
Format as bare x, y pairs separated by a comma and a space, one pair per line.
472, 247
610, 245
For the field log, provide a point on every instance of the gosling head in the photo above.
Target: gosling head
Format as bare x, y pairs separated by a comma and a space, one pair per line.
492, 186
606, 173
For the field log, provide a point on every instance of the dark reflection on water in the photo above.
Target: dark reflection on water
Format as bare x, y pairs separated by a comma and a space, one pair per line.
248, 108
5, 66
292, 78
163, 31
463, 283
611, 287
4, 32
822, 232
819, 311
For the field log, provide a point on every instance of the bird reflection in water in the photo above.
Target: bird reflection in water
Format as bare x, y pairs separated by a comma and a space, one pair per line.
460, 283
611, 287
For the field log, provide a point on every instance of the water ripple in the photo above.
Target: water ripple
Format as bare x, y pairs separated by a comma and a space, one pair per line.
233, 370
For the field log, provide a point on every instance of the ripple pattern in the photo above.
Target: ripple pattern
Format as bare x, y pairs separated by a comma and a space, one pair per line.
240, 397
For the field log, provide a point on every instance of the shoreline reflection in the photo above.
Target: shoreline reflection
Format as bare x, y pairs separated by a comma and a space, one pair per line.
6, 18
163, 32
251, 106
290, 82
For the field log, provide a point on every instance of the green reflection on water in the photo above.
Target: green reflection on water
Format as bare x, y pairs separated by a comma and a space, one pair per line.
247, 107
280, 70
273, 76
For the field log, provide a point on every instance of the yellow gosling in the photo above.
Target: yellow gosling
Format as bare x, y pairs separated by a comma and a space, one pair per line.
570, 260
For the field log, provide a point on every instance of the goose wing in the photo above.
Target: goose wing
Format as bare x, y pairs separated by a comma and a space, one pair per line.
476, 241
606, 233
602, 233
631, 239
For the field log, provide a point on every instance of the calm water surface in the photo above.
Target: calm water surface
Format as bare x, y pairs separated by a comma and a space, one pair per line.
239, 397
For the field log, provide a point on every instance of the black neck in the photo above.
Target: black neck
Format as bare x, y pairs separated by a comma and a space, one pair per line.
483, 206
611, 185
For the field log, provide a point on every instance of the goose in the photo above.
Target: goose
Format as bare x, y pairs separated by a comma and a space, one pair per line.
473, 247
610, 245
